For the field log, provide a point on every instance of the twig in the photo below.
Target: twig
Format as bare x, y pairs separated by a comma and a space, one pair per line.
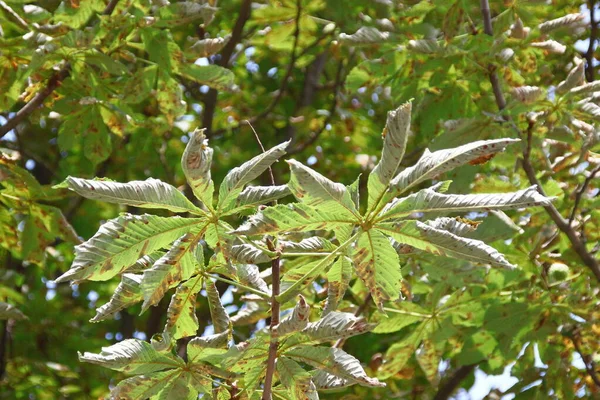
263, 150
340, 342
590, 365
210, 102
275, 309
110, 7
563, 225
579, 194
493, 76
445, 391
589, 54
336, 89
20, 21
54, 82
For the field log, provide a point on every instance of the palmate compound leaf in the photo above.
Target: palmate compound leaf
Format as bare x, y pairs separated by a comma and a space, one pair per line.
196, 162
395, 136
181, 314
377, 265
178, 264
296, 379
151, 193
334, 361
425, 237
311, 188
433, 164
120, 242
429, 200
238, 177
294, 218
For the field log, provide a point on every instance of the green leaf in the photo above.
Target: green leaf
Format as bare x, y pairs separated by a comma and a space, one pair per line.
144, 386
436, 241
238, 177
218, 314
181, 314
365, 35
177, 265
207, 47
211, 75
428, 358
334, 361
126, 294
132, 357
428, 200
249, 254
151, 193
312, 188
253, 196
395, 136
453, 225
8, 311
196, 163
311, 244
296, 379
404, 313
378, 266
293, 218
433, 164
170, 97
120, 242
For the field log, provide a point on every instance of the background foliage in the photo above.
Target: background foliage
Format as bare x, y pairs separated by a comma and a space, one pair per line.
113, 90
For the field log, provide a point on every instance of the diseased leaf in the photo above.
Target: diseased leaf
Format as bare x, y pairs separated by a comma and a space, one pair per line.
433, 164
175, 266
428, 200
527, 94
566, 21
238, 177
151, 193
132, 356
337, 325
551, 46
207, 47
253, 196
181, 314
296, 379
211, 75
8, 311
120, 242
297, 319
334, 361
249, 274
248, 254
378, 266
575, 78
429, 358
196, 163
453, 225
324, 380
126, 294
404, 314
395, 136
218, 314
436, 241
311, 244
144, 386
365, 35
338, 279
312, 188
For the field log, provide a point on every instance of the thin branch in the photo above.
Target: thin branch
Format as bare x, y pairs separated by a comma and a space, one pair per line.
446, 390
275, 309
563, 225
493, 76
110, 7
588, 361
581, 191
54, 82
263, 150
315, 136
16, 17
210, 102
589, 54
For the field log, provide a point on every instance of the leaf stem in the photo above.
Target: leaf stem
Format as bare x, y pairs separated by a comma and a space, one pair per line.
239, 285
275, 309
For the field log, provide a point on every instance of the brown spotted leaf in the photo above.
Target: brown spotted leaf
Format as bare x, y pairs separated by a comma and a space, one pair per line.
181, 314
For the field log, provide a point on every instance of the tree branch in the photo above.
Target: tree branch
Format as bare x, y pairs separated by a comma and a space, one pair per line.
110, 7
590, 365
563, 225
589, 54
210, 102
445, 391
54, 82
579, 194
275, 309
